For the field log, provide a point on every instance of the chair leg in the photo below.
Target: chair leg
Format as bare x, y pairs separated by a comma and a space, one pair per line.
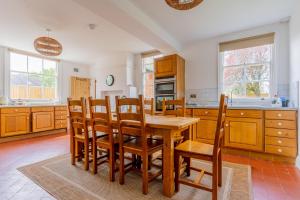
86, 156
215, 181
94, 153
121, 167
112, 164
150, 162
145, 174
220, 169
73, 151
188, 166
177, 170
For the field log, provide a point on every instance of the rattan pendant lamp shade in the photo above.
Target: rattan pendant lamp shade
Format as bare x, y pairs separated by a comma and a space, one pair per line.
183, 4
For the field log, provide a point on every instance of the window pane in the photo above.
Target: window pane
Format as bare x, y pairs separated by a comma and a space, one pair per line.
236, 89
149, 67
50, 67
35, 65
18, 62
233, 74
35, 86
49, 89
18, 85
260, 54
149, 85
258, 72
258, 89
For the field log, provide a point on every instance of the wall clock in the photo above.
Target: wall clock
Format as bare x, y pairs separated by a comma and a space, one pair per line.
110, 80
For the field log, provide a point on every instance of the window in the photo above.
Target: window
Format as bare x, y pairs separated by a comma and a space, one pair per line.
148, 75
246, 72
32, 78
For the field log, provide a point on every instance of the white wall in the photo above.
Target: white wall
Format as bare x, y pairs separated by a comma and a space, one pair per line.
122, 67
202, 58
65, 70
295, 62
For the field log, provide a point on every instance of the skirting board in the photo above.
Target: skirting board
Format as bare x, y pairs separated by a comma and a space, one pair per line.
31, 135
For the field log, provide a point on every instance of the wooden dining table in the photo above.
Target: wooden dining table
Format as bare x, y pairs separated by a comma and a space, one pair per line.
169, 128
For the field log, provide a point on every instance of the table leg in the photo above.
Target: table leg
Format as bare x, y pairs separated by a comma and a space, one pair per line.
168, 163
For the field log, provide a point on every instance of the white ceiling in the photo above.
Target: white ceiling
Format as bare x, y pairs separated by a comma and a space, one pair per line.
21, 21
128, 26
215, 17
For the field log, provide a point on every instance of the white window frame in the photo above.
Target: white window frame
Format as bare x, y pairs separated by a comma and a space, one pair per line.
273, 77
7, 77
144, 72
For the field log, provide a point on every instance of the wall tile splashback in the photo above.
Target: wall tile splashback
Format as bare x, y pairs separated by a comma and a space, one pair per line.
208, 96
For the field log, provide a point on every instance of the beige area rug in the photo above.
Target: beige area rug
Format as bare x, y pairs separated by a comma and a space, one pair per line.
65, 181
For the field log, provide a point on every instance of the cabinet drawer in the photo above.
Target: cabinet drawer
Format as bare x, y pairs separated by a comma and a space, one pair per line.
60, 124
15, 110
280, 114
63, 108
281, 132
284, 151
279, 141
42, 109
281, 124
188, 112
61, 112
245, 113
60, 117
206, 112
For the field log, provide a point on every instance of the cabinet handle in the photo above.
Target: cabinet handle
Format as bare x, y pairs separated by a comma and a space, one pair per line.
206, 112
279, 150
279, 124
242, 113
279, 133
16, 110
279, 115
279, 142
226, 125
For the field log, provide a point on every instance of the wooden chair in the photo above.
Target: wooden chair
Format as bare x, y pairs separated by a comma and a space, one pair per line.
149, 106
79, 131
178, 105
212, 153
134, 125
101, 122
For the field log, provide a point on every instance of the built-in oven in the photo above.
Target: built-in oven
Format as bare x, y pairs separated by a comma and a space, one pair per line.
159, 100
165, 86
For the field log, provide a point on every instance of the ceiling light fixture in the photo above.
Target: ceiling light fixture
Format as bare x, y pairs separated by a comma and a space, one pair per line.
47, 46
183, 4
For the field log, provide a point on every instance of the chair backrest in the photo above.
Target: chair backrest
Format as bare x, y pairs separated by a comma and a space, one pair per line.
77, 117
178, 107
131, 123
219, 135
149, 106
100, 114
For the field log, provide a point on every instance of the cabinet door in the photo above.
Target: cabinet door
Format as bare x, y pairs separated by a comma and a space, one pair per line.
14, 124
42, 121
244, 133
165, 66
206, 129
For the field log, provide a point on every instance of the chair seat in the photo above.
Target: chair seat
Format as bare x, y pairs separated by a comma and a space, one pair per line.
98, 135
195, 148
105, 139
136, 144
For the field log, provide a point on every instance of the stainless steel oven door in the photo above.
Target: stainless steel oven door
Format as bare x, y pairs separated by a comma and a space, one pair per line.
159, 100
165, 88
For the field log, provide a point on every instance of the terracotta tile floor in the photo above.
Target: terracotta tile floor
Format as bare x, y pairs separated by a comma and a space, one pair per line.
271, 181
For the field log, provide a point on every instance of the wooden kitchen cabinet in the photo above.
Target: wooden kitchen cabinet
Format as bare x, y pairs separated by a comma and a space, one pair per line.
244, 133
14, 124
206, 127
168, 66
42, 121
